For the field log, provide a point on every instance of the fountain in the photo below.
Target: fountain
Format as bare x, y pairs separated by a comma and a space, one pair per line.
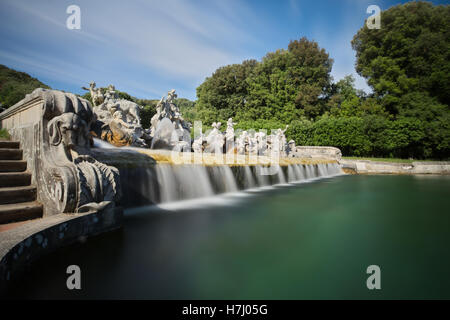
214, 163
89, 163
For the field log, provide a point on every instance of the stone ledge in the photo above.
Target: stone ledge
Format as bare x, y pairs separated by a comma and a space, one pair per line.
20, 246
383, 167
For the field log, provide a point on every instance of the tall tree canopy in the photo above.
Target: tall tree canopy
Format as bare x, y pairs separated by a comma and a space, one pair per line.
410, 53
225, 92
290, 83
285, 85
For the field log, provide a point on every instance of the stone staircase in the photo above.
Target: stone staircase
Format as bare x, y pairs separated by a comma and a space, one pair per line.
17, 195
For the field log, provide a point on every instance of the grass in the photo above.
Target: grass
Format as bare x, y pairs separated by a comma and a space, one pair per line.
395, 160
4, 134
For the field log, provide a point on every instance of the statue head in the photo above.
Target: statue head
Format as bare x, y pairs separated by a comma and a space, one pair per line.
92, 84
68, 128
117, 115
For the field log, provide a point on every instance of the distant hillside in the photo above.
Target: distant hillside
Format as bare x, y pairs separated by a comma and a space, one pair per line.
14, 85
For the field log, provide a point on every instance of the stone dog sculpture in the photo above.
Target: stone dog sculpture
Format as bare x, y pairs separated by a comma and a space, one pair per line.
68, 128
69, 178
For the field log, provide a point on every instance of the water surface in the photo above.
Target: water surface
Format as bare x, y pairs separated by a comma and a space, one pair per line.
314, 240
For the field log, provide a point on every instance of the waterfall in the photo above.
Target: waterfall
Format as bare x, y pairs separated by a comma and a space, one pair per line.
224, 180
261, 178
280, 175
182, 182
166, 183
249, 180
291, 174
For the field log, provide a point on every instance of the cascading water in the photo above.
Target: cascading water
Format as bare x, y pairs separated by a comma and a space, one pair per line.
166, 183
179, 182
249, 180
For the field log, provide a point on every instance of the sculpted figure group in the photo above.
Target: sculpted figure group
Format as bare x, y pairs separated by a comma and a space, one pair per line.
118, 122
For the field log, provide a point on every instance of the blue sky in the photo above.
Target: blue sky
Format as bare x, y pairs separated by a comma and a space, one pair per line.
147, 47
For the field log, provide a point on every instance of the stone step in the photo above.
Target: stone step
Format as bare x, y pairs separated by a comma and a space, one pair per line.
20, 211
17, 194
13, 165
5, 144
14, 179
10, 154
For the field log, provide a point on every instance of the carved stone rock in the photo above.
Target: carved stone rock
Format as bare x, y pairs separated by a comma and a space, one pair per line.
118, 120
166, 136
68, 179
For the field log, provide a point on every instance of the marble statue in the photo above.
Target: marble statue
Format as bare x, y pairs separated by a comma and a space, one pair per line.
215, 139
242, 142
197, 144
67, 177
229, 136
291, 149
261, 143
96, 93
255, 143
118, 120
167, 110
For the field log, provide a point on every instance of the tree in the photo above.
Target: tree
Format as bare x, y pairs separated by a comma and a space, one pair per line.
410, 53
225, 93
285, 85
290, 83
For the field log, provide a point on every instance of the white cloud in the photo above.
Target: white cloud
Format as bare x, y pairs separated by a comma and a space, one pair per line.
147, 47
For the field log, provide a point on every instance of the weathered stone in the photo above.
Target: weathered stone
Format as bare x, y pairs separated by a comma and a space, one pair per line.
118, 120
53, 128
215, 139
168, 128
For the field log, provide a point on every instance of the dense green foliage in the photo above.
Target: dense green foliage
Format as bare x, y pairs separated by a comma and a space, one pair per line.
14, 85
4, 134
373, 135
406, 62
285, 85
409, 53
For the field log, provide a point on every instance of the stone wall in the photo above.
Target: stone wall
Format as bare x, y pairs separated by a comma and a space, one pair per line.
319, 152
23, 245
381, 167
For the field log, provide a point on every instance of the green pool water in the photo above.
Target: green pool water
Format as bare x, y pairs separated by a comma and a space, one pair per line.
310, 241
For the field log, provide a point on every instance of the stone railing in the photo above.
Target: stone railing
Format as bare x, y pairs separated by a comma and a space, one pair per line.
383, 167
53, 129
